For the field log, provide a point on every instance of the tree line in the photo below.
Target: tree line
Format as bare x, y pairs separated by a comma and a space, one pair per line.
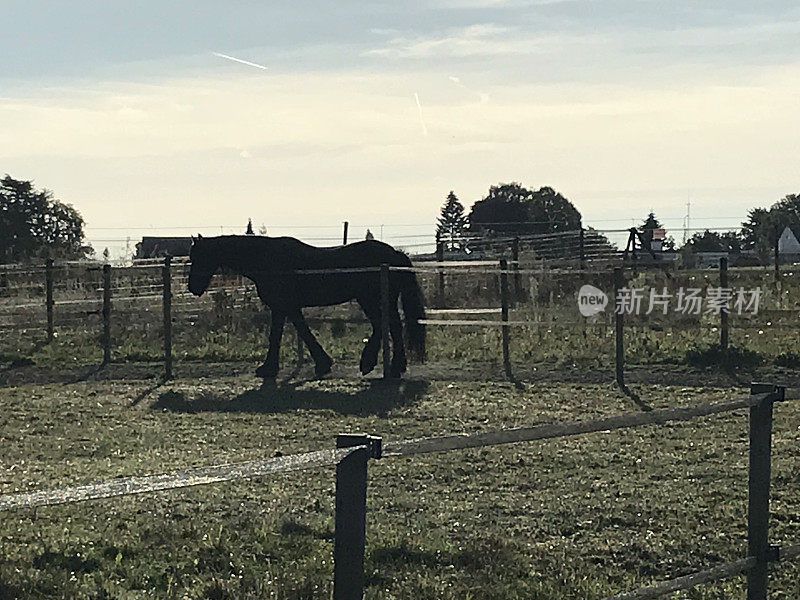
34, 225
509, 209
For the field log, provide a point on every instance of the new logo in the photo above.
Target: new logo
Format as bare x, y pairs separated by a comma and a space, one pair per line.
591, 300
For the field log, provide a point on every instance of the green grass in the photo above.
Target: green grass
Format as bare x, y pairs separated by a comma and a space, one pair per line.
581, 517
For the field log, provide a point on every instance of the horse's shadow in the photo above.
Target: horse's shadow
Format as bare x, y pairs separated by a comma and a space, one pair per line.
377, 398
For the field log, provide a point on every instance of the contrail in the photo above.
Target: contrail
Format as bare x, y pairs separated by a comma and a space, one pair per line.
239, 60
421, 120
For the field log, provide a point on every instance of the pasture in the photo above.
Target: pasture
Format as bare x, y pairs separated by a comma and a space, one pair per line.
581, 517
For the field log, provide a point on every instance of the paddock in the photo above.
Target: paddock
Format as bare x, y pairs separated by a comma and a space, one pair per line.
218, 509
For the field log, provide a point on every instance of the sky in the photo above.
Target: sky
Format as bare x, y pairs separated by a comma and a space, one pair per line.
371, 112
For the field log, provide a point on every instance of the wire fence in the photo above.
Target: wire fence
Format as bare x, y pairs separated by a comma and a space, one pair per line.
513, 308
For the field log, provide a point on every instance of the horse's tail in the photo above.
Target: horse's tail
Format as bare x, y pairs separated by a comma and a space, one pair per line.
414, 310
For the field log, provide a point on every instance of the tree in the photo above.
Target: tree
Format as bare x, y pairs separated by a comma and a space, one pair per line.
452, 223
34, 225
512, 209
711, 241
648, 226
764, 226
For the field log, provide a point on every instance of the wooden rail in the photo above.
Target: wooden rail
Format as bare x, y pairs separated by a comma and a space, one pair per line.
556, 430
127, 486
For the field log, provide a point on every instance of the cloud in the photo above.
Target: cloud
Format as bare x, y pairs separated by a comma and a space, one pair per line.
329, 144
478, 39
578, 49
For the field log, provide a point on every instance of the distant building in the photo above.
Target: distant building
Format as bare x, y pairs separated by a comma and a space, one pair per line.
709, 260
788, 246
156, 247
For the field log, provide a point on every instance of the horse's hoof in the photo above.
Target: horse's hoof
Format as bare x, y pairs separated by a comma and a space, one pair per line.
368, 363
323, 368
367, 367
266, 372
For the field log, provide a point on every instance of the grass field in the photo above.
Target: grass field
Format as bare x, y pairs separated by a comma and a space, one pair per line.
572, 518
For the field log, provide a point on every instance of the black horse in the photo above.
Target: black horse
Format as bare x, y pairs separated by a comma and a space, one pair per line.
276, 266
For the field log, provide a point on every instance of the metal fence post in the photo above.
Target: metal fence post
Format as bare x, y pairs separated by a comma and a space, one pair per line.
619, 355
515, 268
344, 233
385, 308
504, 317
440, 258
776, 250
48, 286
723, 311
166, 276
582, 250
758, 487
351, 515
106, 314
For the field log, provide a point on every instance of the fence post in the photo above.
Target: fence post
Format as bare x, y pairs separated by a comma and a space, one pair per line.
777, 257
48, 286
166, 276
351, 516
385, 308
106, 314
758, 487
515, 268
723, 310
344, 233
504, 317
582, 250
440, 258
619, 356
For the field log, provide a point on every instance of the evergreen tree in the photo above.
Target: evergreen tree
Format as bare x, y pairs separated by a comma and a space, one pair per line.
452, 224
647, 227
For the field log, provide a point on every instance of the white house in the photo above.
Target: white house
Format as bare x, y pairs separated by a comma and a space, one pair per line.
788, 246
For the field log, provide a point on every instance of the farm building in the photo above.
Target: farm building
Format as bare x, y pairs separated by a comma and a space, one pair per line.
155, 247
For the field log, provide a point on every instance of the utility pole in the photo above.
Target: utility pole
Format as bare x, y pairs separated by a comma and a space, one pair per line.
686, 222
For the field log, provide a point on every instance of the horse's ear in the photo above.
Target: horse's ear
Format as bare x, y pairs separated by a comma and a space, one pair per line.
199, 237
194, 239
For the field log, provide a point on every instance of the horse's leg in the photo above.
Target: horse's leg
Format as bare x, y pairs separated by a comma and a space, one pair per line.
269, 370
322, 362
399, 363
369, 355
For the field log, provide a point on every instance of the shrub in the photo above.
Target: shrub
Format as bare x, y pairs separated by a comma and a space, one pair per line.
729, 359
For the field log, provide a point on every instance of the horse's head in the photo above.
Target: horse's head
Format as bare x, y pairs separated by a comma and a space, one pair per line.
204, 263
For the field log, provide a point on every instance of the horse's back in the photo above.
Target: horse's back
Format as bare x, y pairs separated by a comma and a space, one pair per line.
364, 253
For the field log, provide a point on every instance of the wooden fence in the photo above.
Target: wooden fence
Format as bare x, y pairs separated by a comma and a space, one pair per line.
354, 451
